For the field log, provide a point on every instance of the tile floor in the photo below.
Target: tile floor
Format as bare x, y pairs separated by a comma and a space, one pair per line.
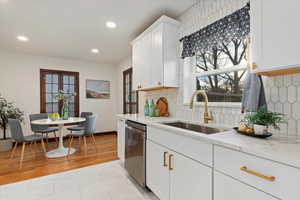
108, 181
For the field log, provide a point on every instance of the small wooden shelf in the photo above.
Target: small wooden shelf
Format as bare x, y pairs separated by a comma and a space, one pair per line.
156, 88
278, 71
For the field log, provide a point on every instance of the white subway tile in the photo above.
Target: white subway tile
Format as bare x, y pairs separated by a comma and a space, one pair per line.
296, 111
292, 94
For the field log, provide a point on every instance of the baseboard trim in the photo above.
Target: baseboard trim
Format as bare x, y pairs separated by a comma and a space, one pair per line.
106, 132
51, 139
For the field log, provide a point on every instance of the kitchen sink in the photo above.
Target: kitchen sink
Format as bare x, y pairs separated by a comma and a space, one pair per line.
195, 127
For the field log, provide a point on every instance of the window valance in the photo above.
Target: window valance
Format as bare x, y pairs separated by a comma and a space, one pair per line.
223, 31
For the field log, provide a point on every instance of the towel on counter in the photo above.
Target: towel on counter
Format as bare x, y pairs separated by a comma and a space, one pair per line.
254, 97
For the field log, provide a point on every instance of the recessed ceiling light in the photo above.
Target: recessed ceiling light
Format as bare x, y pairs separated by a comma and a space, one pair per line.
111, 24
95, 51
22, 38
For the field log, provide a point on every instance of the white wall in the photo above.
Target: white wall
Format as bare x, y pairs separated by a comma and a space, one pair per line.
20, 82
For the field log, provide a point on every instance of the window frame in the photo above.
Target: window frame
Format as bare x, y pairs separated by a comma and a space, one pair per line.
60, 73
190, 74
189, 82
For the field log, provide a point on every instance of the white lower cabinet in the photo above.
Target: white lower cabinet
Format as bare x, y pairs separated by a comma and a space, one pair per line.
276, 179
121, 140
157, 177
172, 176
226, 188
189, 179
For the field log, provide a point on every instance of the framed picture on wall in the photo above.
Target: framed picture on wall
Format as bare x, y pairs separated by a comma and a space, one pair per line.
97, 89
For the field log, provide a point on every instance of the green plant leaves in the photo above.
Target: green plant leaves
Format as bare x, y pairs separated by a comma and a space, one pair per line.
265, 118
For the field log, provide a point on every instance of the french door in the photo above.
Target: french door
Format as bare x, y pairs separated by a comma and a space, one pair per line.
52, 81
130, 98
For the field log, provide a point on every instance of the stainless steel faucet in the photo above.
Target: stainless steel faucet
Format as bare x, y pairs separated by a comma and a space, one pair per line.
206, 116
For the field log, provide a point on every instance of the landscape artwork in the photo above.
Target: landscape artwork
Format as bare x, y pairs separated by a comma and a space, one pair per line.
97, 89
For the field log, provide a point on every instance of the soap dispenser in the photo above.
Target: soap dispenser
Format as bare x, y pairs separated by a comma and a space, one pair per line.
151, 109
146, 108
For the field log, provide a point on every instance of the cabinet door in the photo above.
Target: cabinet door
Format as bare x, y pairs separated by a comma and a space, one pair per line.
157, 68
146, 61
121, 139
137, 65
189, 179
279, 32
157, 177
256, 31
227, 188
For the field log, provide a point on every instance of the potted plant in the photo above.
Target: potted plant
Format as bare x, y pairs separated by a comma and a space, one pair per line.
7, 110
65, 98
262, 120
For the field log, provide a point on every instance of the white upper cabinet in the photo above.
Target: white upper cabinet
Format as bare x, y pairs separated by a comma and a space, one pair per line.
275, 34
157, 60
155, 56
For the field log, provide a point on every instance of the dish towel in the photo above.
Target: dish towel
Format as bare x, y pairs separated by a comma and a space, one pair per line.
254, 96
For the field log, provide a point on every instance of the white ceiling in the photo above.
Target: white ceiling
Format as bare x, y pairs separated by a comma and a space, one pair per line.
71, 28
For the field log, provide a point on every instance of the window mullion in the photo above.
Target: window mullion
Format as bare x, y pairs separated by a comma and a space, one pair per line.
221, 71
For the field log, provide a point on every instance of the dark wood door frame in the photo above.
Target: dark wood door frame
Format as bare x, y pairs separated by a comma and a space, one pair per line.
128, 72
43, 72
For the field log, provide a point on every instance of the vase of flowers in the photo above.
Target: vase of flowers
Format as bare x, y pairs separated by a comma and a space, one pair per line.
7, 111
65, 111
65, 99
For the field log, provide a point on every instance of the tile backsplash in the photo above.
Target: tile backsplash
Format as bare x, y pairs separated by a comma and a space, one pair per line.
222, 114
283, 92
283, 95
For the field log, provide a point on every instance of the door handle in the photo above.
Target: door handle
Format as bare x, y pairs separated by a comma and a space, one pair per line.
268, 178
165, 159
170, 162
128, 127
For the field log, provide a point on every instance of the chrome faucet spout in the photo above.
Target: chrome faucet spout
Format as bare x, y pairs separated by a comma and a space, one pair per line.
207, 117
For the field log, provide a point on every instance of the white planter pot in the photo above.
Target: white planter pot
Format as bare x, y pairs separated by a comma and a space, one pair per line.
260, 129
6, 145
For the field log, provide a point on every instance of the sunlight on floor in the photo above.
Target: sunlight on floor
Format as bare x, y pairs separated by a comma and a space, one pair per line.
108, 181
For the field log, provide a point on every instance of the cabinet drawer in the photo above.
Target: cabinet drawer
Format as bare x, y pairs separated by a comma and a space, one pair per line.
195, 149
259, 173
227, 188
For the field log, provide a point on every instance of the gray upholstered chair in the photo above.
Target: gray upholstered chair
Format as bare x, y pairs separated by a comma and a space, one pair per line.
18, 136
88, 131
80, 127
42, 129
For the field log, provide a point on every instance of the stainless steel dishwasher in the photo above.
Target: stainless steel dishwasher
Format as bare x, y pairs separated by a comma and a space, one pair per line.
135, 151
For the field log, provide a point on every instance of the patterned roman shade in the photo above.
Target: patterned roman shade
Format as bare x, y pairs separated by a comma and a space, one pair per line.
223, 31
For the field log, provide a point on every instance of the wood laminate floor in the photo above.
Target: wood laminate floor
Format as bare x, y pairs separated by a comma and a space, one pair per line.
35, 164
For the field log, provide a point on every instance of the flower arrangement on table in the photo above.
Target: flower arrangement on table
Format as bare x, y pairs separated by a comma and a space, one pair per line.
64, 98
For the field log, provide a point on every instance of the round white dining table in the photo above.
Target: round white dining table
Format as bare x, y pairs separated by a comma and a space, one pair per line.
61, 151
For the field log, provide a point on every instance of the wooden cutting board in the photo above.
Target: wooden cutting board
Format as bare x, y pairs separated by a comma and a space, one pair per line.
162, 105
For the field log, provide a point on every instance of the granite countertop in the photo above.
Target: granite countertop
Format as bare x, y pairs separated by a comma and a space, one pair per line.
285, 150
